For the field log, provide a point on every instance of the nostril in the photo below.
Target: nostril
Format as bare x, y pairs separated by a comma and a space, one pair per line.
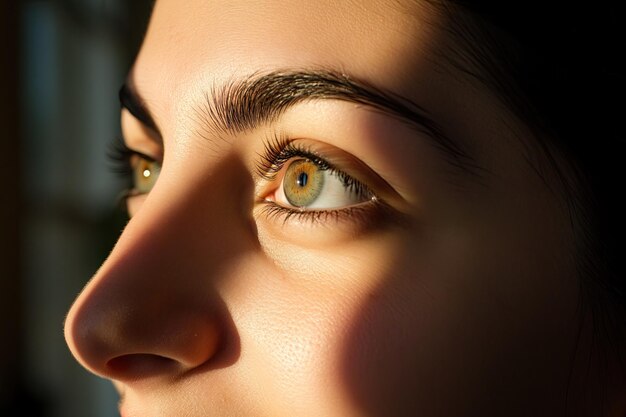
141, 365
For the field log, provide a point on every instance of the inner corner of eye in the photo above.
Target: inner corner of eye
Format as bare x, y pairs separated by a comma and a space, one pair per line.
265, 190
268, 197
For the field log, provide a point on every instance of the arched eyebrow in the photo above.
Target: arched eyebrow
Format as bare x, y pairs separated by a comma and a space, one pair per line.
246, 103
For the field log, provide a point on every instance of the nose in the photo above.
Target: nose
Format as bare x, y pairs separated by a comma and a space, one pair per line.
153, 308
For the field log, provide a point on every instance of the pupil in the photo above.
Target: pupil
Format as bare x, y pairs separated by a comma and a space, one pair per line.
302, 179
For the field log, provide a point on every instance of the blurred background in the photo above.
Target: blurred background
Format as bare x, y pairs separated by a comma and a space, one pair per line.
61, 65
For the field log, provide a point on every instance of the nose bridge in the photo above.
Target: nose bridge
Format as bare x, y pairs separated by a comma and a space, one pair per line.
197, 216
153, 306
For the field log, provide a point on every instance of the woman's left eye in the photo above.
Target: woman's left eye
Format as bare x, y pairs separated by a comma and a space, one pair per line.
145, 172
310, 185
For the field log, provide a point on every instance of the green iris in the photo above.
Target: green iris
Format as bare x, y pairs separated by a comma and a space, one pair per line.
145, 174
303, 182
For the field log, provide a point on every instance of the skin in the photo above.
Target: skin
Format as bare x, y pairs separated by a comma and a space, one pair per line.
207, 306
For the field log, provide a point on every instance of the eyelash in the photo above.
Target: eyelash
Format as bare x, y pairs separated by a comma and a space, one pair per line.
119, 156
280, 150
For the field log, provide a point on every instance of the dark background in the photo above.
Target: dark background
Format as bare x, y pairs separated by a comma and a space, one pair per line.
61, 65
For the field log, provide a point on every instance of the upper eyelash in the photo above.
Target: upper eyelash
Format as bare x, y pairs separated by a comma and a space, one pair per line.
279, 150
119, 154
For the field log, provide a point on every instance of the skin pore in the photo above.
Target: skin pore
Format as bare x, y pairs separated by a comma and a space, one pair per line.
432, 290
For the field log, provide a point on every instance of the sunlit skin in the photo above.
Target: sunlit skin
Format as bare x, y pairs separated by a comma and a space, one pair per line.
460, 299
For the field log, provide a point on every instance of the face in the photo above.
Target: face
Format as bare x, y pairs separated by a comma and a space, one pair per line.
326, 220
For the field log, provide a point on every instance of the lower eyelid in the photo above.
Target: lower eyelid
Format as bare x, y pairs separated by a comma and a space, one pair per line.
363, 215
274, 211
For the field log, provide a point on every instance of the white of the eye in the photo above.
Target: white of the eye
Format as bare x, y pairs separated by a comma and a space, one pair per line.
334, 194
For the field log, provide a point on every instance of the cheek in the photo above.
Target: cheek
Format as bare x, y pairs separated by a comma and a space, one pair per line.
452, 329
387, 352
299, 324
293, 343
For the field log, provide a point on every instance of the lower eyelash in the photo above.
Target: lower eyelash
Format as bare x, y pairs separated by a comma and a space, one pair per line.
275, 211
365, 214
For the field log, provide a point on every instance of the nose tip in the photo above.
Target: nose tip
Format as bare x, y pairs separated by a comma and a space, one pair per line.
137, 343
120, 353
127, 335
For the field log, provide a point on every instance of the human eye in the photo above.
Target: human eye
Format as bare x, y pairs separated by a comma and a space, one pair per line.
139, 170
310, 184
305, 182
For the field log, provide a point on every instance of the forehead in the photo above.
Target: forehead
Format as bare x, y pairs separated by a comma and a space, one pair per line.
201, 42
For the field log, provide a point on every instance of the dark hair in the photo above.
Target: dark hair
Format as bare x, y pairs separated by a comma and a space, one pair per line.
556, 66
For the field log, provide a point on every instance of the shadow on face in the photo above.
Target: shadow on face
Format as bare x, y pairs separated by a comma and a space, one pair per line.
208, 304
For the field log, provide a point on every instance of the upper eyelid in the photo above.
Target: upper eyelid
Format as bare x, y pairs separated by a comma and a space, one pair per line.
269, 172
132, 151
152, 132
276, 147
140, 138
143, 156
360, 172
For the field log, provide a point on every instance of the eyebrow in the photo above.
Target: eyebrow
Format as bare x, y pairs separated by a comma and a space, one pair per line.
132, 101
247, 103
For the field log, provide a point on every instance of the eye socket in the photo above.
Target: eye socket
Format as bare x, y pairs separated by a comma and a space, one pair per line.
145, 172
311, 185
